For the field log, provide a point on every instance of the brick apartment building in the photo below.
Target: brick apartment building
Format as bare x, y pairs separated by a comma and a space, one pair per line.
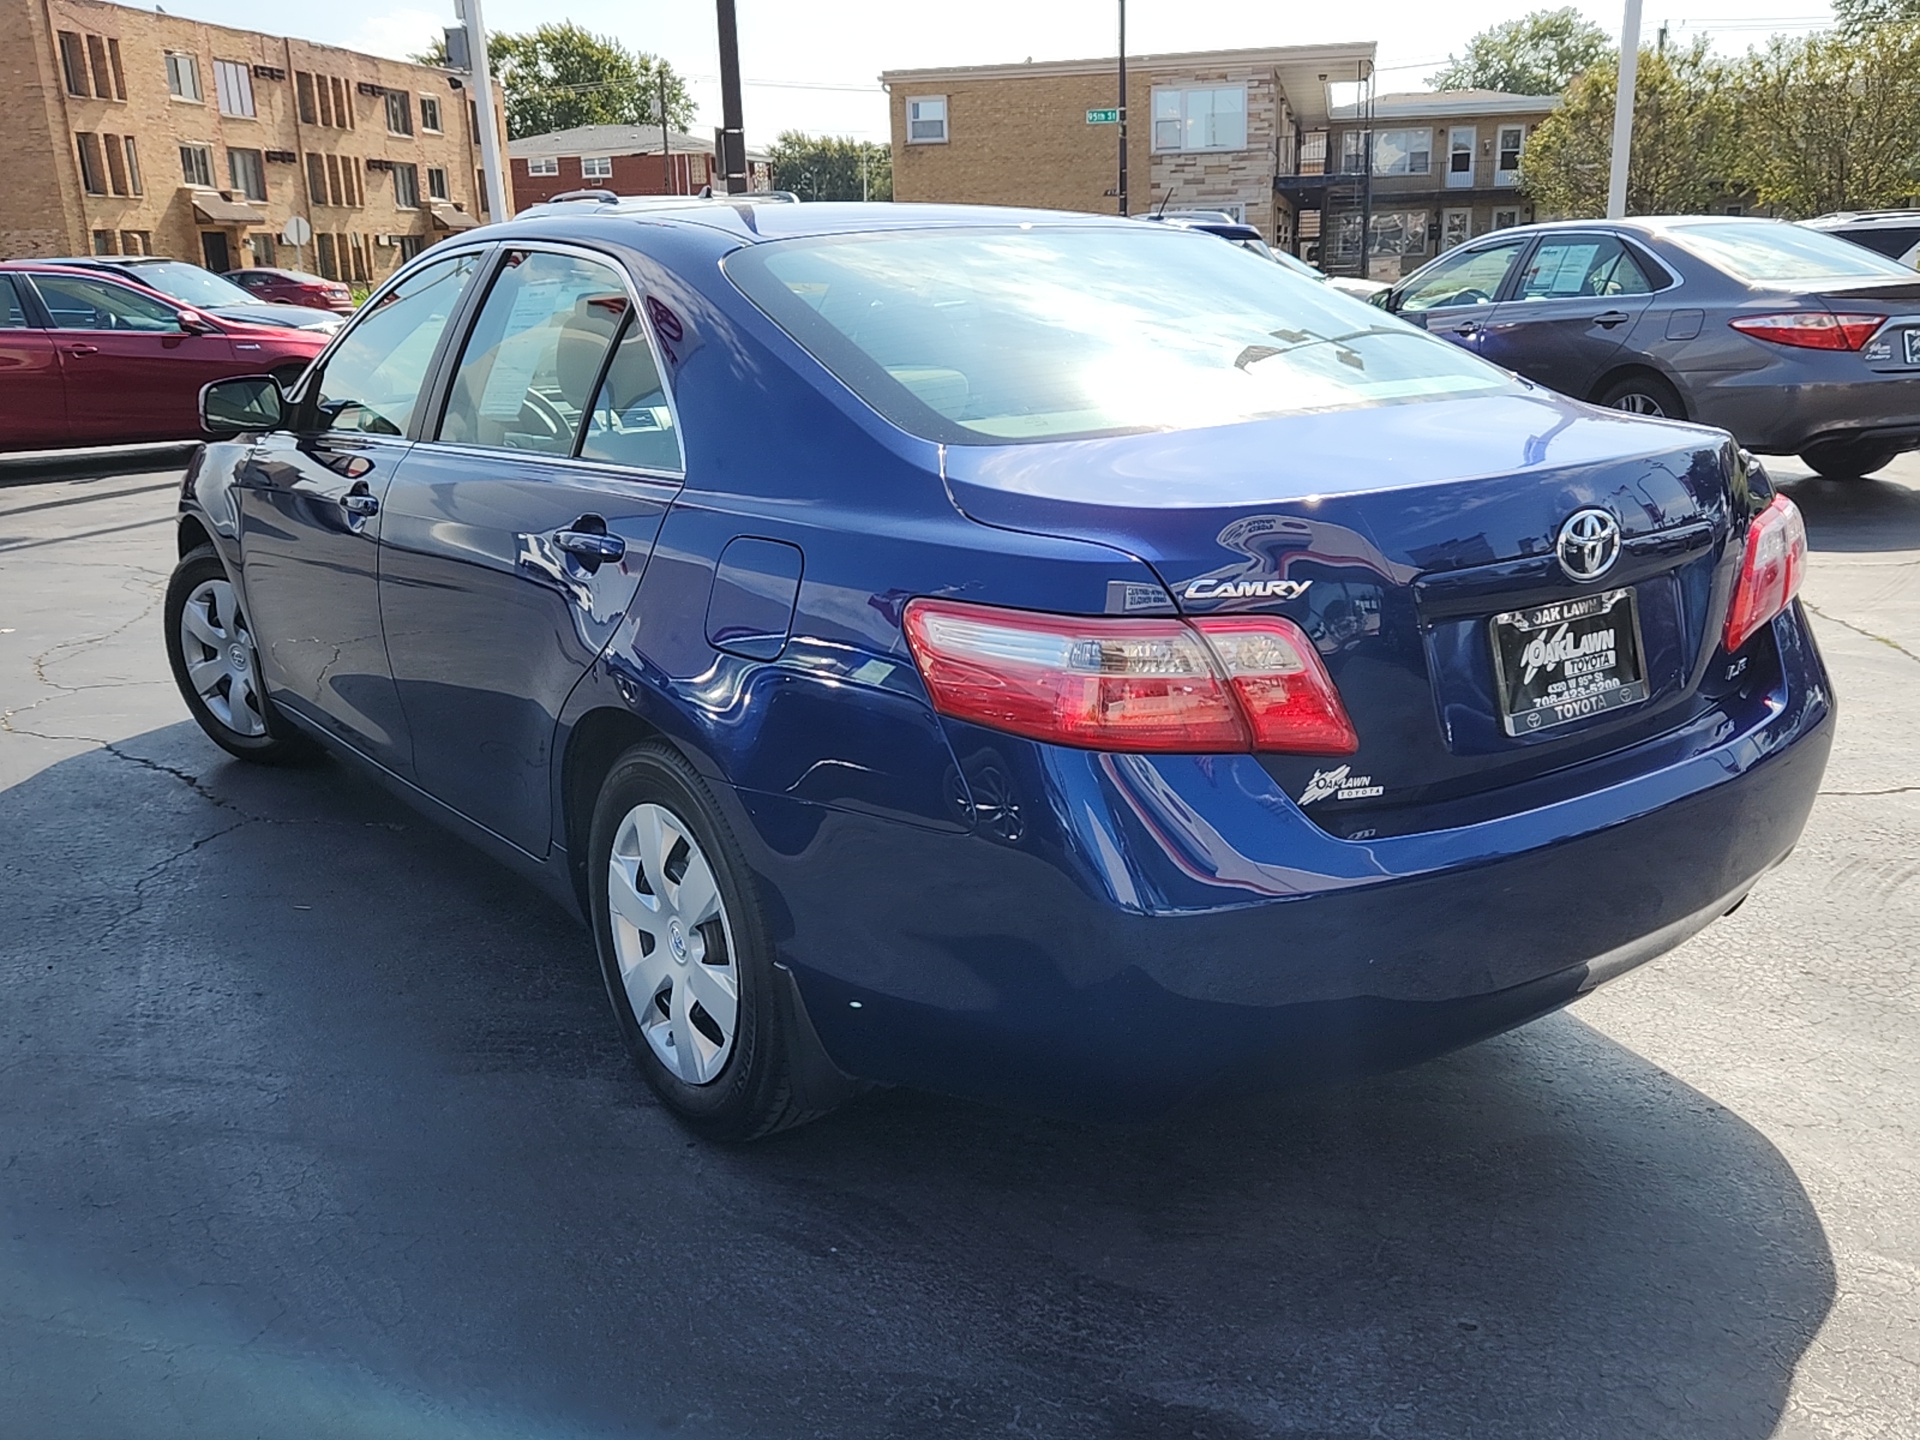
1207, 130
141, 133
1446, 167
625, 159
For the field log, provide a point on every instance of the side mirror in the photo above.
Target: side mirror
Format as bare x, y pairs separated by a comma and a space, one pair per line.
244, 405
194, 323
1387, 300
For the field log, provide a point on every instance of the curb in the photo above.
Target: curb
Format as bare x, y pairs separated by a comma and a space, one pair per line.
31, 466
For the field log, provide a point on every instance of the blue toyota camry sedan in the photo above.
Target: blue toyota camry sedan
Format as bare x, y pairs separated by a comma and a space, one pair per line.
1050, 659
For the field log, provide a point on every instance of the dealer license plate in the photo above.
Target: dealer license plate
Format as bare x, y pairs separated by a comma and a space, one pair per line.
1568, 661
1913, 346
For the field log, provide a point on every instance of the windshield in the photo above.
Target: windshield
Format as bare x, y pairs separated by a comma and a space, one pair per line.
190, 283
1776, 253
980, 336
1294, 263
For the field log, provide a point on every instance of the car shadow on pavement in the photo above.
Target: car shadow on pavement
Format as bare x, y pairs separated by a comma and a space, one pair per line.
1857, 515
310, 1112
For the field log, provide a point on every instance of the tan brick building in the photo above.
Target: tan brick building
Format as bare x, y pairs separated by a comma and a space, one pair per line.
1207, 130
136, 132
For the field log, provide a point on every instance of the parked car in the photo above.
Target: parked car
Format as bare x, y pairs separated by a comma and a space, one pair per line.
1798, 342
93, 359
1892, 233
1248, 237
293, 287
1039, 657
207, 292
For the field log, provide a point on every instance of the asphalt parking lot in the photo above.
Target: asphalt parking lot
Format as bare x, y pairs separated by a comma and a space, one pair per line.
313, 1123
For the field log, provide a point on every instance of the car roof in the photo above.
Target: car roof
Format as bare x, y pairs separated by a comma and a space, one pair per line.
1862, 217
752, 220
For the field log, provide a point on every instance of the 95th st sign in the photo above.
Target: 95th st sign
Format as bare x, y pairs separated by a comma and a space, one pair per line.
1103, 117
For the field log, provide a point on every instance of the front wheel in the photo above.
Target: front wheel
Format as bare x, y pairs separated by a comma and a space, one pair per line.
1847, 459
1643, 395
211, 651
684, 951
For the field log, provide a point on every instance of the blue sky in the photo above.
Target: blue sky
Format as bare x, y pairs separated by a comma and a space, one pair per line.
812, 66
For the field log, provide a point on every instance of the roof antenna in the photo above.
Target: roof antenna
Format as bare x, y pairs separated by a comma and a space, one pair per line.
1161, 208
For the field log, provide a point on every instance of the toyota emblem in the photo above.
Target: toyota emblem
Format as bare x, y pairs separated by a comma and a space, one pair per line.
1588, 545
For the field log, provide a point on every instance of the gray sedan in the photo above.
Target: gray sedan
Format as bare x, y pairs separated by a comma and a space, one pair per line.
1797, 342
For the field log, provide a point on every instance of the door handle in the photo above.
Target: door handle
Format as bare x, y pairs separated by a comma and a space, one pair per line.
1611, 319
358, 502
83, 349
1466, 327
592, 546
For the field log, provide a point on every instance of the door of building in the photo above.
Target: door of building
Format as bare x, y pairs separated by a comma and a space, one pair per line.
1461, 140
215, 250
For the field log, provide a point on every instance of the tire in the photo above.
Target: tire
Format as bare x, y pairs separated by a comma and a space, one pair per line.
698, 944
212, 655
1643, 394
1847, 459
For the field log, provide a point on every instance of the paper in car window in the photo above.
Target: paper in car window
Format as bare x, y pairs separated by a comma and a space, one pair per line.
526, 342
1561, 271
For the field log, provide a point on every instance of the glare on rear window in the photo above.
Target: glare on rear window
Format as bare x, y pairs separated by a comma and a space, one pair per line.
988, 336
1772, 252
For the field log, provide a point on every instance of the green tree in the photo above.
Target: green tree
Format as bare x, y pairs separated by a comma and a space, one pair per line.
1836, 120
1859, 18
1534, 55
831, 167
561, 76
1688, 130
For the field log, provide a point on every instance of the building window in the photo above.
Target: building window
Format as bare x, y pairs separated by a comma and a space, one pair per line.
1456, 228
927, 120
406, 186
248, 172
1505, 219
102, 73
303, 96
437, 184
317, 179
196, 165
183, 77
1395, 232
399, 113
264, 252
342, 104
93, 170
548, 166
480, 189
1513, 139
103, 243
411, 245
119, 71
73, 64
1395, 152
233, 88
133, 169
323, 250
430, 114
136, 242
596, 167
336, 188
116, 164
1214, 118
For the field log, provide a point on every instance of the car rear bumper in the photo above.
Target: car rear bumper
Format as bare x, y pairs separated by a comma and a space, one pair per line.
1788, 407
1118, 932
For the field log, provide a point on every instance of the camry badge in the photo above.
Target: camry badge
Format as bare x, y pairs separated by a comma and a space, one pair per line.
1588, 544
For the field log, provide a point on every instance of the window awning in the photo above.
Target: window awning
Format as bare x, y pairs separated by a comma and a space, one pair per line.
210, 208
445, 217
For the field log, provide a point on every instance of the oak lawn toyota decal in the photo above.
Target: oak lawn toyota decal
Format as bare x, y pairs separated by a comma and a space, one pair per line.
1339, 783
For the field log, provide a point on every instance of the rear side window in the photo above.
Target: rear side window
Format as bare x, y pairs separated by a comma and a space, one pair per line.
79, 303
534, 358
373, 378
1578, 267
631, 422
12, 315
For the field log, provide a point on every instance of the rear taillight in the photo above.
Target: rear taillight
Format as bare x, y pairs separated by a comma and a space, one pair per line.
1811, 329
1214, 685
1770, 576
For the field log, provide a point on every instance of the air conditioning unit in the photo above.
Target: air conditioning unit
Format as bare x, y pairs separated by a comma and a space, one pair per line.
385, 241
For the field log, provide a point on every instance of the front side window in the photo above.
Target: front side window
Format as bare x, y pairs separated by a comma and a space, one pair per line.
1473, 278
596, 167
1578, 267
550, 165
406, 186
248, 173
989, 336
13, 315
373, 378
1211, 118
183, 77
399, 113
83, 303
927, 120
529, 369
233, 87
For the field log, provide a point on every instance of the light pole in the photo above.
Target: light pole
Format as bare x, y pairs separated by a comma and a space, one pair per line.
469, 13
733, 133
1623, 111
1122, 107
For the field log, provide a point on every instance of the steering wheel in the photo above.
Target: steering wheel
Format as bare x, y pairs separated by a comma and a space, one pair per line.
1469, 297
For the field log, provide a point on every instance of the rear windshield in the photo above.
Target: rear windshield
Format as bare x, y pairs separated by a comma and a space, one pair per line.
1763, 252
985, 336
189, 283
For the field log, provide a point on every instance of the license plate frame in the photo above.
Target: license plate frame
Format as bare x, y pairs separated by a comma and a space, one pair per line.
1535, 691
1912, 337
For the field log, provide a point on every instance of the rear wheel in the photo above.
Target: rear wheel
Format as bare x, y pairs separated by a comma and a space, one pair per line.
1643, 394
1847, 459
211, 651
684, 951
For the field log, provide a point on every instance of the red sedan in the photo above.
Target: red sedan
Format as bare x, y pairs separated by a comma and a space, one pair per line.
86, 359
293, 287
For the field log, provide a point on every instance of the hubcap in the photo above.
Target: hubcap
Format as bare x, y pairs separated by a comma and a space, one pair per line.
673, 943
218, 650
1638, 404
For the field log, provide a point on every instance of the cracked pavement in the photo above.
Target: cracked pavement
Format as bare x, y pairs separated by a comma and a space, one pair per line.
312, 1123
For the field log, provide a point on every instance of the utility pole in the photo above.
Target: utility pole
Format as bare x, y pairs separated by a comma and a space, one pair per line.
1122, 107
667, 187
1623, 111
733, 133
469, 13
1366, 183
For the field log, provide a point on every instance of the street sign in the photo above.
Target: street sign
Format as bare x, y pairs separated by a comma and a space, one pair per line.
298, 232
1103, 117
